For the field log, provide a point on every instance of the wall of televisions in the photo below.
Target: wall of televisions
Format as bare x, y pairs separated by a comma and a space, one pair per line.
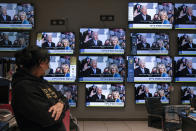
106, 65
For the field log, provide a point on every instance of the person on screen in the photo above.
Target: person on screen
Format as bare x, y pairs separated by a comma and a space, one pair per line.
114, 70
23, 18
66, 70
189, 94
115, 42
164, 17
68, 95
4, 18
143, 16
116, 96
189, 45
143, 44
141, 70
16, 19
5, 41
98, 96
189, 17
93, 70
162, 95
161, 44
59, 45
188, 70
94, 42
65, 43
143, 92
156, 17
162, 70
36, 104
48, 43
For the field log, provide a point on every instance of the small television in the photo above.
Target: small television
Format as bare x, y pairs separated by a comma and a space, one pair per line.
185, 69
150, 15
149, 44
69, 91
102, 41
143, 91
57, 42
7, 67
101, 68
16, 16
149, 69
185, 16
187, 93
105, 95
13, 41
62, 69
186, 44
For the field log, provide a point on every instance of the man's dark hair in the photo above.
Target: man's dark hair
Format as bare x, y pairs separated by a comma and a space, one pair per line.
30, 57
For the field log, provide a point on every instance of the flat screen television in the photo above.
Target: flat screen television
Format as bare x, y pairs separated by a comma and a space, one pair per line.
7, 67
105, 95
143, 91
185, 69
57, 42
102, 41
149, 69
13, 41
16, 16
101, 68
187, 93
69, 91
186, 44
149, 44
185, 16
150, 15
62, 69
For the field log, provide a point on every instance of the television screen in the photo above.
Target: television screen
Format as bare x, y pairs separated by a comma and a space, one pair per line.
185, 69
62, 69
105, 95
16, 16
187, 93
57, 42
69, 91
187, 44
13, 41
149, 69
7, 67
185, 16
149, 44
143, 91
101, 68
102, 41
150, 15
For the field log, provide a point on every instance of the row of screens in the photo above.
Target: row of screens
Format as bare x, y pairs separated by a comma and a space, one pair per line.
100, 41
113, 69
113, 95
140, 16
161, 16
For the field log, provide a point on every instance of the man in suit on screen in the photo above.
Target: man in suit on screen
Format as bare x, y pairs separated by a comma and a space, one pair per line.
188, 71
189, 17
93, 71
98, 97
189, 45
4, 18
94, 42
141, 70
143, 44
48, 43
143, 16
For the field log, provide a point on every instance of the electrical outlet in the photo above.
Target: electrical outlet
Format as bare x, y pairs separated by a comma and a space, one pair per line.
106, 17
57, 22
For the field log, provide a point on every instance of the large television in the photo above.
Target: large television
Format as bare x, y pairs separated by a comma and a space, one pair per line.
105, 95
186, 44
187, 93
7, 67
13, 41
57, 42
69, 91
149, 44
185, 16
143, 91
102, 40
101, 68
149, 69
150, 15
16, 16
185, 69
62, 69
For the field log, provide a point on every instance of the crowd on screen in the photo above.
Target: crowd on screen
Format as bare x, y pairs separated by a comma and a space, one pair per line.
162, 68
90, 39
95, 94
